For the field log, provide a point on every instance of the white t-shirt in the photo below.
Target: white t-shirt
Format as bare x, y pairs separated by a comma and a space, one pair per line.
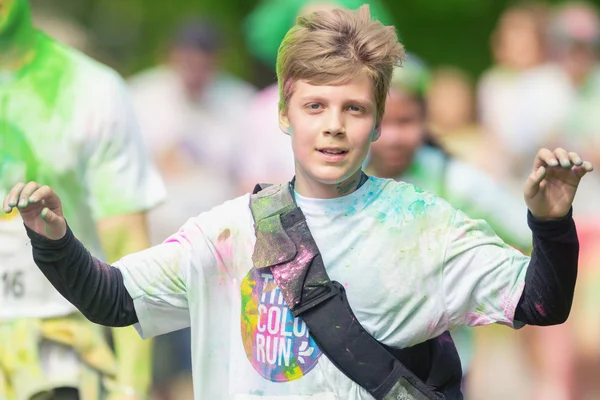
412, 267
66, 121
472, 191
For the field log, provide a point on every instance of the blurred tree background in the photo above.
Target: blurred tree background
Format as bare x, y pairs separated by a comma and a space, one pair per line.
132, 34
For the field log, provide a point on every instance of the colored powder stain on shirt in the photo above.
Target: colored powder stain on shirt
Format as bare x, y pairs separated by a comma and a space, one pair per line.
175, 283
246, 291
540, 309
476, 319
224, 255
224, 235
53, 69
292, 372
42, 84
417, 207
249, 312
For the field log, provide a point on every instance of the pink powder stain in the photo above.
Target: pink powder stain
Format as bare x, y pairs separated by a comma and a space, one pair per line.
346, 284
509, 304
295, 268
540, 309
475, 319
446, 339
431, 325
182, 236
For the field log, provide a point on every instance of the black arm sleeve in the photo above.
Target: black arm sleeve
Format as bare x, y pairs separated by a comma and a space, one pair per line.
95, 288
552, 272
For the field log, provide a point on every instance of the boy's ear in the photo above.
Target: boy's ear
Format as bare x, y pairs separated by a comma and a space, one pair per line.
284, 124
376, 133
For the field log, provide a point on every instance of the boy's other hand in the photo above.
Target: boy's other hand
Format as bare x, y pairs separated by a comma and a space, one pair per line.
40, 209
552, 184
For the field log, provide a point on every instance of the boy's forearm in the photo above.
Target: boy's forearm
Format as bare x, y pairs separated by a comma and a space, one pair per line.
95, 288
552, 273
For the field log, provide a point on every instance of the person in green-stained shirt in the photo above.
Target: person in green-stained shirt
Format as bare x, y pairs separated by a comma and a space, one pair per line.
66, 121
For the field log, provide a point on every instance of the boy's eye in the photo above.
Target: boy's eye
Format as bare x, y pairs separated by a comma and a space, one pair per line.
314, 106
355, 109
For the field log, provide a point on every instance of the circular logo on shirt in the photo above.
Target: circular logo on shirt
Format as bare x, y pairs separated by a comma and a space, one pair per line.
278, 345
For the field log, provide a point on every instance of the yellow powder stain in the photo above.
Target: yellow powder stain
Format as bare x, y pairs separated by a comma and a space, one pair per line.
10, 215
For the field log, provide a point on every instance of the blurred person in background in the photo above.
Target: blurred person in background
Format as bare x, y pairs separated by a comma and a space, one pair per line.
189, 107
265, 153
406, 152
574, 37
522, 99
67, 121
451, 113
189, 113
525, 102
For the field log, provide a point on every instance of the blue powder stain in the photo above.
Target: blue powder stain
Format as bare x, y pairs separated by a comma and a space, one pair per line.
417, 207
380, 216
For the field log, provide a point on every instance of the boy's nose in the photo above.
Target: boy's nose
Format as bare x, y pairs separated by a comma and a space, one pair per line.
335, 125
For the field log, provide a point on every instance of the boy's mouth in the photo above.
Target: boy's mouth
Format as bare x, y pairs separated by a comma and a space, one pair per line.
332, 151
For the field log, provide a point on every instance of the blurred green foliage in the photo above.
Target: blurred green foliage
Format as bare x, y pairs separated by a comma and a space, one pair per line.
132, 34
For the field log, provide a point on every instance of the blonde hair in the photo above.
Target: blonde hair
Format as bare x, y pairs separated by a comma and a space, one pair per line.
333, 46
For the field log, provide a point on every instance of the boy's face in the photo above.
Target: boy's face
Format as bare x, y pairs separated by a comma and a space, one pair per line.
402, 132
331, 129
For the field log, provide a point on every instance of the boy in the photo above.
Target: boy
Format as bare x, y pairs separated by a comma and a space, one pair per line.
412, 266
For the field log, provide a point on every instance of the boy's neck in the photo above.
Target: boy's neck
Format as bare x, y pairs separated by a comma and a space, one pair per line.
310, 188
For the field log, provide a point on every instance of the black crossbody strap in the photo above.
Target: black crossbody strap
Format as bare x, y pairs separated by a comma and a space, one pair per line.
285, 245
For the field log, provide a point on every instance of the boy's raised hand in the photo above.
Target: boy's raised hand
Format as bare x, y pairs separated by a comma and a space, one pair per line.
40, 209
552, 184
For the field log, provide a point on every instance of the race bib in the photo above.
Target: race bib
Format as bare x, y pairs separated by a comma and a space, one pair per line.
24, 290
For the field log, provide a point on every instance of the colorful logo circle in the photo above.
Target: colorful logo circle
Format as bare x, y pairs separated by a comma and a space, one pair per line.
278, 345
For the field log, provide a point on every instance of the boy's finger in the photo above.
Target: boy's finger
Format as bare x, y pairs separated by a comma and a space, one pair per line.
544, 157
49, 216
5, 207
41, 193
583, 169
26, 192
563, 157
532, 186
13, 196
575, 159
